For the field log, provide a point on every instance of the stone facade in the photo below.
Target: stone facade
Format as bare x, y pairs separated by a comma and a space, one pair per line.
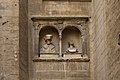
53, 11
23, 40
9, 40
104, 31
15, 40
47, 13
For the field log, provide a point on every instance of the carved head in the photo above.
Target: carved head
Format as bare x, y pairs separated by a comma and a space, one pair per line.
71, 44
48, 38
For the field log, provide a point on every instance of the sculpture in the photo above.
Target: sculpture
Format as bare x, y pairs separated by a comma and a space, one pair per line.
71, 48
48, 47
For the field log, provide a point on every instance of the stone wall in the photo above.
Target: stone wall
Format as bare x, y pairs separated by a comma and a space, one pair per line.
104, 30
61, 71
98, 46
13, 49
64, 7
23, 39
9, 39
112, 32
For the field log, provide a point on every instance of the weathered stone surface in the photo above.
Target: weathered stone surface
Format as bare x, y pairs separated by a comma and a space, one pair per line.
23, 40
9, 40
61, 70
50, 75
46, 66
104, 31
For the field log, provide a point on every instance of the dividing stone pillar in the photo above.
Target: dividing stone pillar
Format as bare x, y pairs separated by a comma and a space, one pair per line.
36, 38
60, 44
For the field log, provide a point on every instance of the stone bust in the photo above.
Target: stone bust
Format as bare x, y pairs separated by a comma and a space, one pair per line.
71, 48
48, 47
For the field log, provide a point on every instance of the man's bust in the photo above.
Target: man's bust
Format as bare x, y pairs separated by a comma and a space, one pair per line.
48, 47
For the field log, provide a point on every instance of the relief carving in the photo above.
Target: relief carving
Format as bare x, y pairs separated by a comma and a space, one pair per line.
48, 47
71, 48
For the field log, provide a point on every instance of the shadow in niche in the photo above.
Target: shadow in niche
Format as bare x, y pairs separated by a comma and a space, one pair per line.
55, 40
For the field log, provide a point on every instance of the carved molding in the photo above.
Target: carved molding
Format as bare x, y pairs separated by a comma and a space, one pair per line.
60, 26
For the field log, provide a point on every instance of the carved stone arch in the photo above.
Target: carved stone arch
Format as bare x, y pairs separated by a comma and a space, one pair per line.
73, 25
50, 25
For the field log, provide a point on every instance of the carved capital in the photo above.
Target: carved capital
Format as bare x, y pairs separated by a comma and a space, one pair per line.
60, 35
82, 23
60, 22
60, 27
36, 25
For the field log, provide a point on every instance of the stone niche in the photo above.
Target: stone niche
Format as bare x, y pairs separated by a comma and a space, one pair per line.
60, 38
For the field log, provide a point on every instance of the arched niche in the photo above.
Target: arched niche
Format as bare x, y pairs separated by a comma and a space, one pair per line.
71, 33
49, 30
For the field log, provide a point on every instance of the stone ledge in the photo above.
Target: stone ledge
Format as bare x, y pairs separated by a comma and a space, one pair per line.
56, 17
72, 0
61, 59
